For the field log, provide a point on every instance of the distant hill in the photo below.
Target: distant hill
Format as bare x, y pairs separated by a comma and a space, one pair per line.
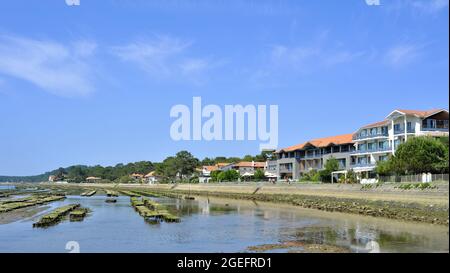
33, 178
78, 173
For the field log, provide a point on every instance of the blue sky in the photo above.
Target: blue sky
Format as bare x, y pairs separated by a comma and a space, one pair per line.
94, 84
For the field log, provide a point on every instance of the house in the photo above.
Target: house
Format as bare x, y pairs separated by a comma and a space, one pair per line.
152, 178
205, 173
248, 168
93, 179
52, 178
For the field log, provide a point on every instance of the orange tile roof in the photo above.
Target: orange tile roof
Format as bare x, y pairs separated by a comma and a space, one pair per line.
420, 113
250, 164
292, 148
222, 164
260, 164
336, 140
210, 168
322, 142
376, 124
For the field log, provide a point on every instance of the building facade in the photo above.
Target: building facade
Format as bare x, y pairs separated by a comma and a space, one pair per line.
376, 142
361, 150
297, 160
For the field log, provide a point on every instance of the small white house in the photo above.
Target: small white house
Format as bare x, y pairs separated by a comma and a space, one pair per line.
152, 178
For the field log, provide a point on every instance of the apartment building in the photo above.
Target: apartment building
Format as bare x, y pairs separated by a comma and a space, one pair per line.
296, 160
375, 142
360, 151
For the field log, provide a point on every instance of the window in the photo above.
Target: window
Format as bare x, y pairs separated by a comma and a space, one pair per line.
361, 147
342, 163
432, 123
442, 124
397, 127
370, 146
382, 145
409, 125
336, 149
429, 123
383, 158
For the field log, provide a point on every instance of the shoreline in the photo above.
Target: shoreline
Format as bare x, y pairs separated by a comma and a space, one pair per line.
426, 206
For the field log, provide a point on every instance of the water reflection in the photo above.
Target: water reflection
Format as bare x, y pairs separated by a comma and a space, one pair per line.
217, 225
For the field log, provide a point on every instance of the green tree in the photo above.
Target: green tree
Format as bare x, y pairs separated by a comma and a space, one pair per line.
384, 167
185, 163
215, 176
264, 156
229, 175
259, 175
124, 179
420, 155
208, 162
311, 176
248, 158
77, 174
168, 168
331, 165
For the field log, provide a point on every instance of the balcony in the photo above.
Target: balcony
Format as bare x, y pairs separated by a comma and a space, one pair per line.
360, 165
285, 169
377, 150
365, 136
428, 129
312, 156
402, 131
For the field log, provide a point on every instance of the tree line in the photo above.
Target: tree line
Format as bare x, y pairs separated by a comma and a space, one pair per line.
179, 166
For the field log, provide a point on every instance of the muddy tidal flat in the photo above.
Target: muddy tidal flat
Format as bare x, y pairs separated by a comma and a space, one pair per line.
139, 221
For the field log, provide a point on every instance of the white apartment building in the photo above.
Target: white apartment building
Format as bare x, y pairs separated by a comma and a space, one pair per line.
360, 151
375, 142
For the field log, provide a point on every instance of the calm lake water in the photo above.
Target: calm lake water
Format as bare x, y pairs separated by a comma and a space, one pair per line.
215, 225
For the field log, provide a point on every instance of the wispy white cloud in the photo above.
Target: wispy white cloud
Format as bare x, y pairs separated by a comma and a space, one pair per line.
402, 54
310, 58
430, 6
420, 7
84, 48
165, 57
54, 67
282, 61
